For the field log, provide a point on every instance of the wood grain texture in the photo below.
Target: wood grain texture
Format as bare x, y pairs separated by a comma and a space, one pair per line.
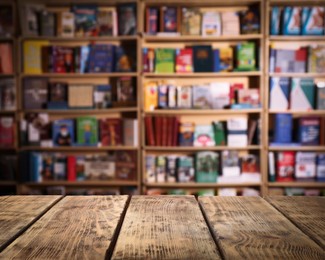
77, 227
250, 228
164, 227
307, 213
18, 212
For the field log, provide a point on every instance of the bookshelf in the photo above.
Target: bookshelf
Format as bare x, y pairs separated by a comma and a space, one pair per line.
9, 184
290, 42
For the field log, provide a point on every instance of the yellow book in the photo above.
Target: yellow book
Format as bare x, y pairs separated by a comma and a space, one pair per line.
33, 56
151, 96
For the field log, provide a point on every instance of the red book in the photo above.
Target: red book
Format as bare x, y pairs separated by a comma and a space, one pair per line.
301, 55
63, 59
149, 131
233, 92
158, 130
71, 168
7, 132
111, 131
175, 131
6, 66
164, 137
126, 165
170, 131
322, 131
184, 60
285, 166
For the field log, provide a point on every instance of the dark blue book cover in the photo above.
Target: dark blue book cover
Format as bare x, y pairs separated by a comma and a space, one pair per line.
101, 58
320, 171
127, 21
203, 58
85, 20
169, 19
283, 128
309, 130
152, 20
123, 62
63, 132
162, 96
216, 60
35, 167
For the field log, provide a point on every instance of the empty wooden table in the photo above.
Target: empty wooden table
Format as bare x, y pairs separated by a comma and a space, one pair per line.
161, 227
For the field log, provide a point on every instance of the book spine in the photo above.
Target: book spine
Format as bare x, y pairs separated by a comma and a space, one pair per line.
271, 167
272, 60
150, 131
71, 168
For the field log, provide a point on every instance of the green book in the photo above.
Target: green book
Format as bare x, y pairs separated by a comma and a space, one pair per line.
165, 60
246, 57
219, 133
206, 165
176, 192
87, 131
206, 193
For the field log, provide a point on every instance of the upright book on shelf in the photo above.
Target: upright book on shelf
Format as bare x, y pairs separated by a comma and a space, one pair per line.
206, 166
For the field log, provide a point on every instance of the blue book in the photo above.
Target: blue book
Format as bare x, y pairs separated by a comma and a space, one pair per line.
283, 128
63, 132
57, 105
275, 20
123, 63
101, 58
216, 60
85, 20
291, 20
309, 16
320, 168
203, 58
162, 96
35, 167
84, 59
309, 131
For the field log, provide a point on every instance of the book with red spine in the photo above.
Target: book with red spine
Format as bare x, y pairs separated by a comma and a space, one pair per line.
7, 132
158, 129
170, 125
150, 137
285, 166
184, 60
71, 168
175, 131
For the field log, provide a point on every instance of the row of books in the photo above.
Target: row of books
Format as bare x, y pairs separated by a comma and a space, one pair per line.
306, 130
79, 20
6, 60
297, 20
166, 20
213, 95
39, 93
42, 57
206, 192
37, 130
6, 20
301, 94
203, 167
200, 58
300, 166
7, 94
305, 59
296, 192
170, 131
38, 167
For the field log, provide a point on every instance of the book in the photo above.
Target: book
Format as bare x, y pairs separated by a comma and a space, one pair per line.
202, 97
211, 24
111, 132
150, 163
63, 132
127, 18
148, 59
6, 61
186, 134
191, 21
233, 93
245, 56
71, 168
99, 167
309, 130
150, 95
122, 60
220, 94
32, 56
185, 169
249, 165
226, 59
216, 60
162, 96
161, 168
130, 132
320, 168
275, 20
283, 128
250, 20
237, 132
152, 20
172, 96
7, 131
65, 24
107, 21
35, 93
62, 59
169, 19
171, 161
150, 135
47, 23
6, 21
291, 60
29, 22
230, 164
285, 166
316, 57
85, 20
302, 95
84, 54
126, 91
58, 91
80, 168
164, 60
203, 135
219, 133
101, 58
203, 58
320, 93
87, 131
251, 97
126, 165
305, 167
59, 167
271, 168
80, 96
206, 166
184, 60
312, 20
103, 96
184, 97
7, 94
291, 24
279, 93
230, 23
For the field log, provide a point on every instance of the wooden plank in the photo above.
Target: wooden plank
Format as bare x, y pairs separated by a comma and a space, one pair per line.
307, 213
164, 227
250, 228
17, 213
78, 227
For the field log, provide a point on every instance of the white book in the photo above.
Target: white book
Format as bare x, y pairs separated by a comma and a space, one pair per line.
305, 167
211, 24
220, 94
130, 132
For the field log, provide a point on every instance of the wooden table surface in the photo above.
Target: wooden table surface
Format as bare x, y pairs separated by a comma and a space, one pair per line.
161, 227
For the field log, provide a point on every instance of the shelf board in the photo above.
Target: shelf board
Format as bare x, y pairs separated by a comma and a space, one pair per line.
82, 111
8, 148
199, 185
7, 112
192, 148
8, 183
309, 112
297, 75
203, 111
78, 148
4, 38
101, 183
82, 75
203, 74
79, 39
311, 38
297, 184
297, 148
196, 38
7, 75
